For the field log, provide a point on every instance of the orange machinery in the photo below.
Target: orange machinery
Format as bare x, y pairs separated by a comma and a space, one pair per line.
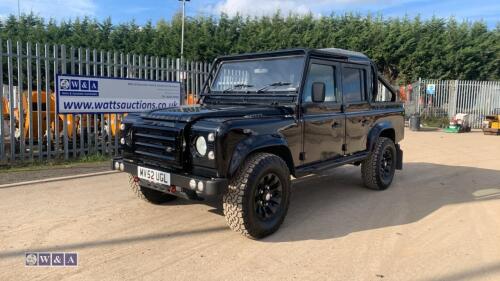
33, 118
191, 99
5, 111
111, 120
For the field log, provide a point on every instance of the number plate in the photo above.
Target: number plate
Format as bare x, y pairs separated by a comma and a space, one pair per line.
153, 175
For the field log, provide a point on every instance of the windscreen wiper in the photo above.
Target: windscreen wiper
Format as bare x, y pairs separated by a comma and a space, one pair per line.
275, 84
237, 86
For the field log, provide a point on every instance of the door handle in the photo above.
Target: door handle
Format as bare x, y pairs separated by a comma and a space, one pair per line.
335, 125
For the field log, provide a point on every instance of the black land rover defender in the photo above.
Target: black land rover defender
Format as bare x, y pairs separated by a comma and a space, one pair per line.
261, 119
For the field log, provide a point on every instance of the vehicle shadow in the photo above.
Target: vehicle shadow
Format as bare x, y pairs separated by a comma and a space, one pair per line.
335, 205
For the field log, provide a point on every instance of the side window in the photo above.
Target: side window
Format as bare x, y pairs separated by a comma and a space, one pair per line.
353, 84
320, 73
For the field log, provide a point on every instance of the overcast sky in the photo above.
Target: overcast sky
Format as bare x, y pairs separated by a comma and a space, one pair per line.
142, 11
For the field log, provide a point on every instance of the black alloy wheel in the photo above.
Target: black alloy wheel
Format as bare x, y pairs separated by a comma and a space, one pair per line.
379, 168
268, 197
386, 165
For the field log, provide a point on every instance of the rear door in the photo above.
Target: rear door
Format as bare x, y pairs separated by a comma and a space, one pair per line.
323, 122
356, 106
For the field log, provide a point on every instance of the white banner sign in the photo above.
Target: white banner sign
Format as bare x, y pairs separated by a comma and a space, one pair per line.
86, 94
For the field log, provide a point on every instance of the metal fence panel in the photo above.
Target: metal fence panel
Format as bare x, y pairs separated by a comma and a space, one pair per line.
30, 127
476, 98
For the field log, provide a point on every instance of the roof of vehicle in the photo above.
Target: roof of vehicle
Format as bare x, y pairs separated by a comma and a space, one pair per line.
347, 53
328, 52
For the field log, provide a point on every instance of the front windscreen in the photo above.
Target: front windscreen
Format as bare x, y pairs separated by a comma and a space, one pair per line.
281, 74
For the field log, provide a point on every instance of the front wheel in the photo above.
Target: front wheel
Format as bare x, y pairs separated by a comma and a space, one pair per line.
378, 169
258, 196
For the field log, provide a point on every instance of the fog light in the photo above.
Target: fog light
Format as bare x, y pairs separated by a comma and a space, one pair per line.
122, 167
122, 141
200, 186
211, 137
211, 155
117, 165
192, 184
122, 126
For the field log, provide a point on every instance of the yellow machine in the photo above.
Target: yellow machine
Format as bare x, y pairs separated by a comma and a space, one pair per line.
33, 118
190, 99
5, 110
491, 125
5, 113
112, 122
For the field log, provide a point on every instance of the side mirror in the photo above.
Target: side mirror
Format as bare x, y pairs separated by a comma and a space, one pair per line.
318, 92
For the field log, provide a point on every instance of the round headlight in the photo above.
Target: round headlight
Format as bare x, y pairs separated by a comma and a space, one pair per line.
201, 145
122, 126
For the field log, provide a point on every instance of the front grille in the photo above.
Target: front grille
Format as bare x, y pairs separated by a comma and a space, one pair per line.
158, 144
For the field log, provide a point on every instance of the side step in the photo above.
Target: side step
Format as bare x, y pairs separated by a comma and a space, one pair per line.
318, 167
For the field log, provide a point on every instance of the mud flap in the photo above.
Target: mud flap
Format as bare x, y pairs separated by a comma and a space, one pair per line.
399, 159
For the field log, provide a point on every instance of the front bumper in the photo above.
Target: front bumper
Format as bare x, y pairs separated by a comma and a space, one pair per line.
179, 183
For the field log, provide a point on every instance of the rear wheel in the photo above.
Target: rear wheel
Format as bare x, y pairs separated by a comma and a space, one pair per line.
150, 195
258, 196
378, 169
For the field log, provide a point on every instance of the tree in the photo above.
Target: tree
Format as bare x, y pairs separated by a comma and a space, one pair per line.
403, 48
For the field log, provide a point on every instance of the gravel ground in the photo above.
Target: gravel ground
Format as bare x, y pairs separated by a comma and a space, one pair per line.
438, 221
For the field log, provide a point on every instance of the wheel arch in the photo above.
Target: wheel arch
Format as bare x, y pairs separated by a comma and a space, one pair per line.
269, 144
381, 129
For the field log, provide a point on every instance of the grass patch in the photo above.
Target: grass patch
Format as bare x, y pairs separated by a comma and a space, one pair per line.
55, 163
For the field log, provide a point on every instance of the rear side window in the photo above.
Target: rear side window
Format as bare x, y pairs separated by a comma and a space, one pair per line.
353, 84
321, 73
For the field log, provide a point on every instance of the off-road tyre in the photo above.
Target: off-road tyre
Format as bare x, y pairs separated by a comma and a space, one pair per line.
241, 201
150, 195
375, 175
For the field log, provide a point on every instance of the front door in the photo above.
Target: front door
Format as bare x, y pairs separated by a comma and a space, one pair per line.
324, 122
